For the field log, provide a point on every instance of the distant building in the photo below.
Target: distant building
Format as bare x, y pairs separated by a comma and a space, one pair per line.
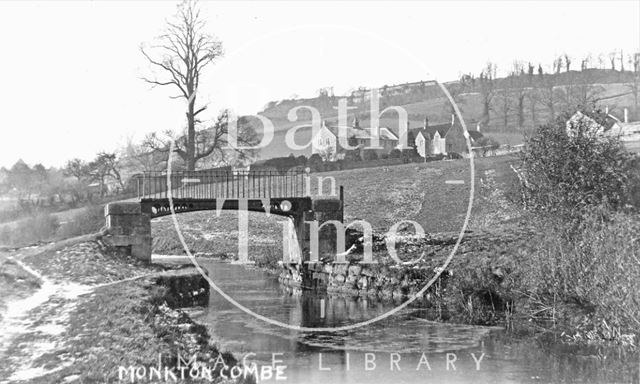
441, 139
327, 142
627, 132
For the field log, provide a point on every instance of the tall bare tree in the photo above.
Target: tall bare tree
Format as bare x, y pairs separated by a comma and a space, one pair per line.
487, 88
518, 83
212, 142
546, 92
180, 55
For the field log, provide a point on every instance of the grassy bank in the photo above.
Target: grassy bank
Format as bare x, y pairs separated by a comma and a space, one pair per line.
124, 325
44, 227
101, 311
15, 282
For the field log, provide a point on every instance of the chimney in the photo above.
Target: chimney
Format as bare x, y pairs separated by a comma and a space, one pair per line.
453, 118
626, 115
426, 122
478, 127
606, 109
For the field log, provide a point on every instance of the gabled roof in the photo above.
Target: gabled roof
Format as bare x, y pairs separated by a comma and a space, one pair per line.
592, 124
430, 131
475, 135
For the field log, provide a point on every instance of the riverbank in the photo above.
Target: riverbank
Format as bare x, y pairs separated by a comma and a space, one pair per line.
507, 268
90, 315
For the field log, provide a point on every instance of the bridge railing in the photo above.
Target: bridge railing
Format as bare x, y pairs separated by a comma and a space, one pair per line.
218, 184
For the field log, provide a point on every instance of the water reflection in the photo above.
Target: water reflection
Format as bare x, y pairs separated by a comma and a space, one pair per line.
393, 350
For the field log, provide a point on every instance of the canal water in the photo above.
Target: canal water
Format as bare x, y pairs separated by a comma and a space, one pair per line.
405, 348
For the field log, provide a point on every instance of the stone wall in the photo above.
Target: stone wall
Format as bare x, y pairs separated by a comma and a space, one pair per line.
355, 279
185, 287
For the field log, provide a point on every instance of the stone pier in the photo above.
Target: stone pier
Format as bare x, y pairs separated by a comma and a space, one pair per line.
128, 229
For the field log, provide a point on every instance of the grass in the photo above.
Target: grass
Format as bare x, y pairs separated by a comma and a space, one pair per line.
123, 325
44, 227
587, 283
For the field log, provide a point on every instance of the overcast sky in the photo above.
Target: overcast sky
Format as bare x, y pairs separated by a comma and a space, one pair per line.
70, 70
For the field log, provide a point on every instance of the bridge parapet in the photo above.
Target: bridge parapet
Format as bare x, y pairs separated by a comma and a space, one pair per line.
222, 184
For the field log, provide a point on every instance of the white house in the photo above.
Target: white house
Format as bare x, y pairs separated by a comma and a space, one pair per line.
326, 141
431, 140
627, 132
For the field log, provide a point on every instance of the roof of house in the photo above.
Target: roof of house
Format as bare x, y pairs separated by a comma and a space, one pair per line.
431, 130
475, 135
362, 133
609, 121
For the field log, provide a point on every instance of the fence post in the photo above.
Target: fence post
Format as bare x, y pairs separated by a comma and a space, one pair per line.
342, 203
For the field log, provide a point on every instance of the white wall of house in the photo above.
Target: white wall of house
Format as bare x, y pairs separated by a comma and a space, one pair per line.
421, 144
439, 144
324, 140
625, 131
427, 147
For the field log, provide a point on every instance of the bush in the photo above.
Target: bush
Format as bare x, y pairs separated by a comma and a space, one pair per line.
369, 154
568, 174
488, 145
409, 153
301, 160
88, 220
395, 154
352, 155
315, 162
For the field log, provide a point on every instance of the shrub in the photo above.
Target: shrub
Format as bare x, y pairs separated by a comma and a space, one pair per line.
488, 145
88, 220
315, 162
301, 160
395, 154
568, 174
409, 153
369, 154
352, 155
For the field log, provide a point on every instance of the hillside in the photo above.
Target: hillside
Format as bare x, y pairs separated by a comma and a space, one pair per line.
608, 88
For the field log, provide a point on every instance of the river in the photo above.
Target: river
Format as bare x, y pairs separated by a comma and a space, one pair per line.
405, 348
